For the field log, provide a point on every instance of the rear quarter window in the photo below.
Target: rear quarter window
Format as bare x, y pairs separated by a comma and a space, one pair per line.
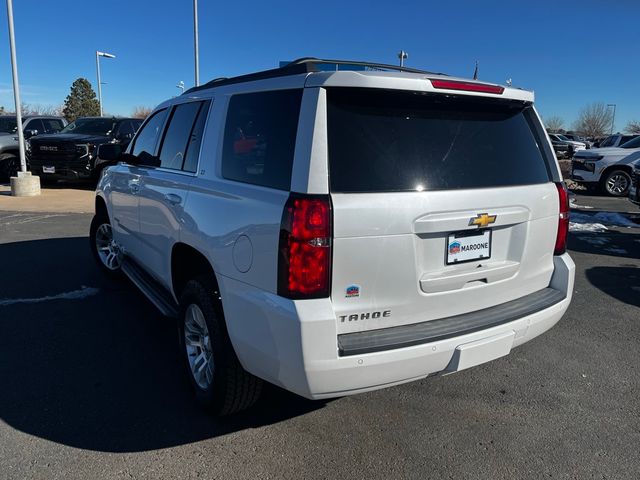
260, 138
389, 141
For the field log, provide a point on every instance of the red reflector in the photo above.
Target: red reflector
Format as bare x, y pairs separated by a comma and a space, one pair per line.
563, 220
304, 260
467, 86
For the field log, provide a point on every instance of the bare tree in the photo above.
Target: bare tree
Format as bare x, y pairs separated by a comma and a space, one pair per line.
633, 127
554, 124
37, 109
141, 112
594, 120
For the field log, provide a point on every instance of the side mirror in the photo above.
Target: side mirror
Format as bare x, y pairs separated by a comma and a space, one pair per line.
109, 152
30, 133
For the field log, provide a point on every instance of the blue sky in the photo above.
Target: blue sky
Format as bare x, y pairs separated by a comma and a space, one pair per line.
570, 53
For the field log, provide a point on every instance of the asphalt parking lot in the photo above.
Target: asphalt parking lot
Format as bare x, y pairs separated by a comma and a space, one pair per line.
90, 383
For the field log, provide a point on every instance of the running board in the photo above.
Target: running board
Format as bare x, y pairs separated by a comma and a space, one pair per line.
156, 293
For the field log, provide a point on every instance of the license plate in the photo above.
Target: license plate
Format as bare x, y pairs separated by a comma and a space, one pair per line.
48, 169
468, 246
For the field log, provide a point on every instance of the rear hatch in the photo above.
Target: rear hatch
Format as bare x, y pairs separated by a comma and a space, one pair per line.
443, 205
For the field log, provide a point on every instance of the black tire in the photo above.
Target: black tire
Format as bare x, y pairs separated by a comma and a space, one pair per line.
9, 166
616, 183
100, 219
232, 388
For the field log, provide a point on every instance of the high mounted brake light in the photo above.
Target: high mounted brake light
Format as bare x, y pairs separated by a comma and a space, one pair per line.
563, 220
467, 86
304, 257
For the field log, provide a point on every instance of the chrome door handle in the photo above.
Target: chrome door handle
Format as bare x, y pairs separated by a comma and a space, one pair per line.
173, 199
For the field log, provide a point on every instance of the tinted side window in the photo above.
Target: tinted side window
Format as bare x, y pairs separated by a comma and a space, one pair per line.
52, 125
607, 142
35, 124
125, 128
260, 137
195, 140
391, 141
174, 143
145, 143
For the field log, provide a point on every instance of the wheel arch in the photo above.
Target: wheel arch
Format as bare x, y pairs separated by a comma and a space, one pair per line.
187, 263
615, 166
11, 151
101, 206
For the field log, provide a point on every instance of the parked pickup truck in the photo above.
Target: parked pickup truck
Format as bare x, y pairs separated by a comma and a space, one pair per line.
71, 154
32, 125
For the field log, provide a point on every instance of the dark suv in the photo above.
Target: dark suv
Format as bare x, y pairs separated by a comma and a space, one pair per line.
71, 154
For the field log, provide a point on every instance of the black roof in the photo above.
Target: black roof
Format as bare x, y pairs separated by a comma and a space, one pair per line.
115, 119
24, 117
302, 65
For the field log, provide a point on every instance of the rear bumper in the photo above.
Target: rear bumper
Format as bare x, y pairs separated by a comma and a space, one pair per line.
294, 344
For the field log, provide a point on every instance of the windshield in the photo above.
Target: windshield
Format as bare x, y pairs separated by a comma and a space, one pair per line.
635, 143
90, 126
562, 137
8, 124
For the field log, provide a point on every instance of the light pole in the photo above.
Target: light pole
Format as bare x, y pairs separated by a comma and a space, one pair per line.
16, 86
24, 184
98, 55
196, 52
402, 55
613, 117
180, 85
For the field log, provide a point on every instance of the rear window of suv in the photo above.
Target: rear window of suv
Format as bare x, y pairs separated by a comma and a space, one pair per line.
390, 141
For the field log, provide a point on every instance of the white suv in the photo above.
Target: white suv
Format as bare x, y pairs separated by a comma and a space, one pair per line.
608, 168
334, 232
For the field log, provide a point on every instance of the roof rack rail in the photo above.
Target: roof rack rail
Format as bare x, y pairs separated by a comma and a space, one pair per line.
357, 63
301, 65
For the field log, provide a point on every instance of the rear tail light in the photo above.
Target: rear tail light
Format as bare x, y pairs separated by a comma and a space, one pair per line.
563, 220
304, 257
467, 86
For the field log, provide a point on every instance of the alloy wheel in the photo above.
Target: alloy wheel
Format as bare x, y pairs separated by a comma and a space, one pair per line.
108, 250
617, 184
198, 345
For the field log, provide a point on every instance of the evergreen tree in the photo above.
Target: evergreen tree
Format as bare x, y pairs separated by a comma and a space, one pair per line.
81, 101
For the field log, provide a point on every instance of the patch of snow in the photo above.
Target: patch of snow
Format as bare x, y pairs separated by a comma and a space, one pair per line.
84, 292
587, 227
617, 219
584, 207
601, 219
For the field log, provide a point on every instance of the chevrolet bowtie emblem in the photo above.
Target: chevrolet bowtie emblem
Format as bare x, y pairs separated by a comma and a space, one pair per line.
482, 220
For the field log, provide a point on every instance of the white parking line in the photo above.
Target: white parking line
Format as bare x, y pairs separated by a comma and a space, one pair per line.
20, 218
84, 292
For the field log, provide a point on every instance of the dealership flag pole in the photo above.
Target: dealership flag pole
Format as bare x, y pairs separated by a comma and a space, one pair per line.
16, 87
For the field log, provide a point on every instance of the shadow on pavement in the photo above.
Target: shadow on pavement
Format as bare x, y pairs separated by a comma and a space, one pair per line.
100, 373
622, 283
611, 243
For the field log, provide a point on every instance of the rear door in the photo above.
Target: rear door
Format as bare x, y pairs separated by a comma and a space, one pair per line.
442, 205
